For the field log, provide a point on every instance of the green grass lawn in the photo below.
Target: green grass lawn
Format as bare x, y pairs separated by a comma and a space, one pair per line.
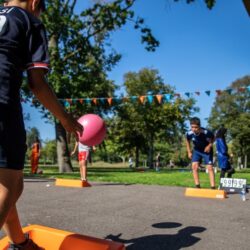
120, 174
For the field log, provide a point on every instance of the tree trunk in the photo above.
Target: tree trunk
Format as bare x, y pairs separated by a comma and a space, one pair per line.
151, 152
239, 162
245, 163
64, 162
137, 157
123, 160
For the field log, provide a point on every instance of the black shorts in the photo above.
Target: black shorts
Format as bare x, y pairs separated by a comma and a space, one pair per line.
12, 137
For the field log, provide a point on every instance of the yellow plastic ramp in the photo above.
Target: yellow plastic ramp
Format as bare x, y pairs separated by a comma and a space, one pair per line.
54, 239
205, 193
72, 183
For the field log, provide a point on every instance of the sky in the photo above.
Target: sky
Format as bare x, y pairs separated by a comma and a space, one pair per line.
199, 50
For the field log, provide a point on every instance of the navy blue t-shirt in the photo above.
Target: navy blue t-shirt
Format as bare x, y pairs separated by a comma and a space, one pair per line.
201, 140
23, 46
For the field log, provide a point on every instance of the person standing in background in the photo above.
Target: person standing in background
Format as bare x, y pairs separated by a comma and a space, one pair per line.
83, 158
158, 162
202, 150
130, 161
222, 153
35, 155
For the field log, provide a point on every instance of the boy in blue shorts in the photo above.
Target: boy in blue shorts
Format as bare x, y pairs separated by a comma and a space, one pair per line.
202, 150
23, 46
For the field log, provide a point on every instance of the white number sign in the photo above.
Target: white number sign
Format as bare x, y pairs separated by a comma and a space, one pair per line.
233, 183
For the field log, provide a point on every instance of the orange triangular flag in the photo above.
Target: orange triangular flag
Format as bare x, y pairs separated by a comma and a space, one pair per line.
69, 101
159, 98
218, 91
142, 98
94, 100
241, 89
110, 100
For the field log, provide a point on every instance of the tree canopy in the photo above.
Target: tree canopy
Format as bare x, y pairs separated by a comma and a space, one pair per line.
232, 109
81, 55
139, 123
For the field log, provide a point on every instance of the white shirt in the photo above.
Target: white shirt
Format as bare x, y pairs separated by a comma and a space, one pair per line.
82, 147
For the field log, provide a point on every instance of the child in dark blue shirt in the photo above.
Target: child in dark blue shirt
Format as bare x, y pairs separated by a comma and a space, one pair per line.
23, 46
202, 150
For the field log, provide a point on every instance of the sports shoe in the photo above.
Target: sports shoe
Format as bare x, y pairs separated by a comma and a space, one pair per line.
30, 245
231, 171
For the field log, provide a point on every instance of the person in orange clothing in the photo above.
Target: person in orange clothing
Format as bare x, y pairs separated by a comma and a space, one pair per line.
35, 154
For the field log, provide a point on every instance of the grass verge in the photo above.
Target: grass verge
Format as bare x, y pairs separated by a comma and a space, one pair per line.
166, 177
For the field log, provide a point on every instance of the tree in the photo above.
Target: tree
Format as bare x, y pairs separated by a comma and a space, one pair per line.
140, 122
209, 3
32, 134
247, 6
49, 151
232, 108
240, 132
81, 55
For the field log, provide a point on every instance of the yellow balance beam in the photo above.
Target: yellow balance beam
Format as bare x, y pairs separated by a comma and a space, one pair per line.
54, 239
205, 193
72, 183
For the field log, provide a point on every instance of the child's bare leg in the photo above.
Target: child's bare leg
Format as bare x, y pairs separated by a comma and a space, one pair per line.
13, 228
11, 187
83, 169
80, 168
211, 175
195, 167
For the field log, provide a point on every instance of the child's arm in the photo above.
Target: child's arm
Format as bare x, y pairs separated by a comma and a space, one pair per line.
39, 86
210, 145
189, 151
73, 152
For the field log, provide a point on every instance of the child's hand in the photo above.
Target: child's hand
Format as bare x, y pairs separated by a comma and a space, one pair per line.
207, 149
190, 155
71, 125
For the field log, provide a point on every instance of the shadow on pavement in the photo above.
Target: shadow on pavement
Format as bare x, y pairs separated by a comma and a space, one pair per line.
113, 184
167, 225
37, 179
183, 238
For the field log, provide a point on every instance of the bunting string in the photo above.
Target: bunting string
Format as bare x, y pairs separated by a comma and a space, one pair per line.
158, 98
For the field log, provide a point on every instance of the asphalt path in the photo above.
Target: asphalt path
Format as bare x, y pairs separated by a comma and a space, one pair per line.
143, 217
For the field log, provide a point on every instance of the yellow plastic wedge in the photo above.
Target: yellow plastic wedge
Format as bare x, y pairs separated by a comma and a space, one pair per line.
205, 193
72, 183
54, 239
